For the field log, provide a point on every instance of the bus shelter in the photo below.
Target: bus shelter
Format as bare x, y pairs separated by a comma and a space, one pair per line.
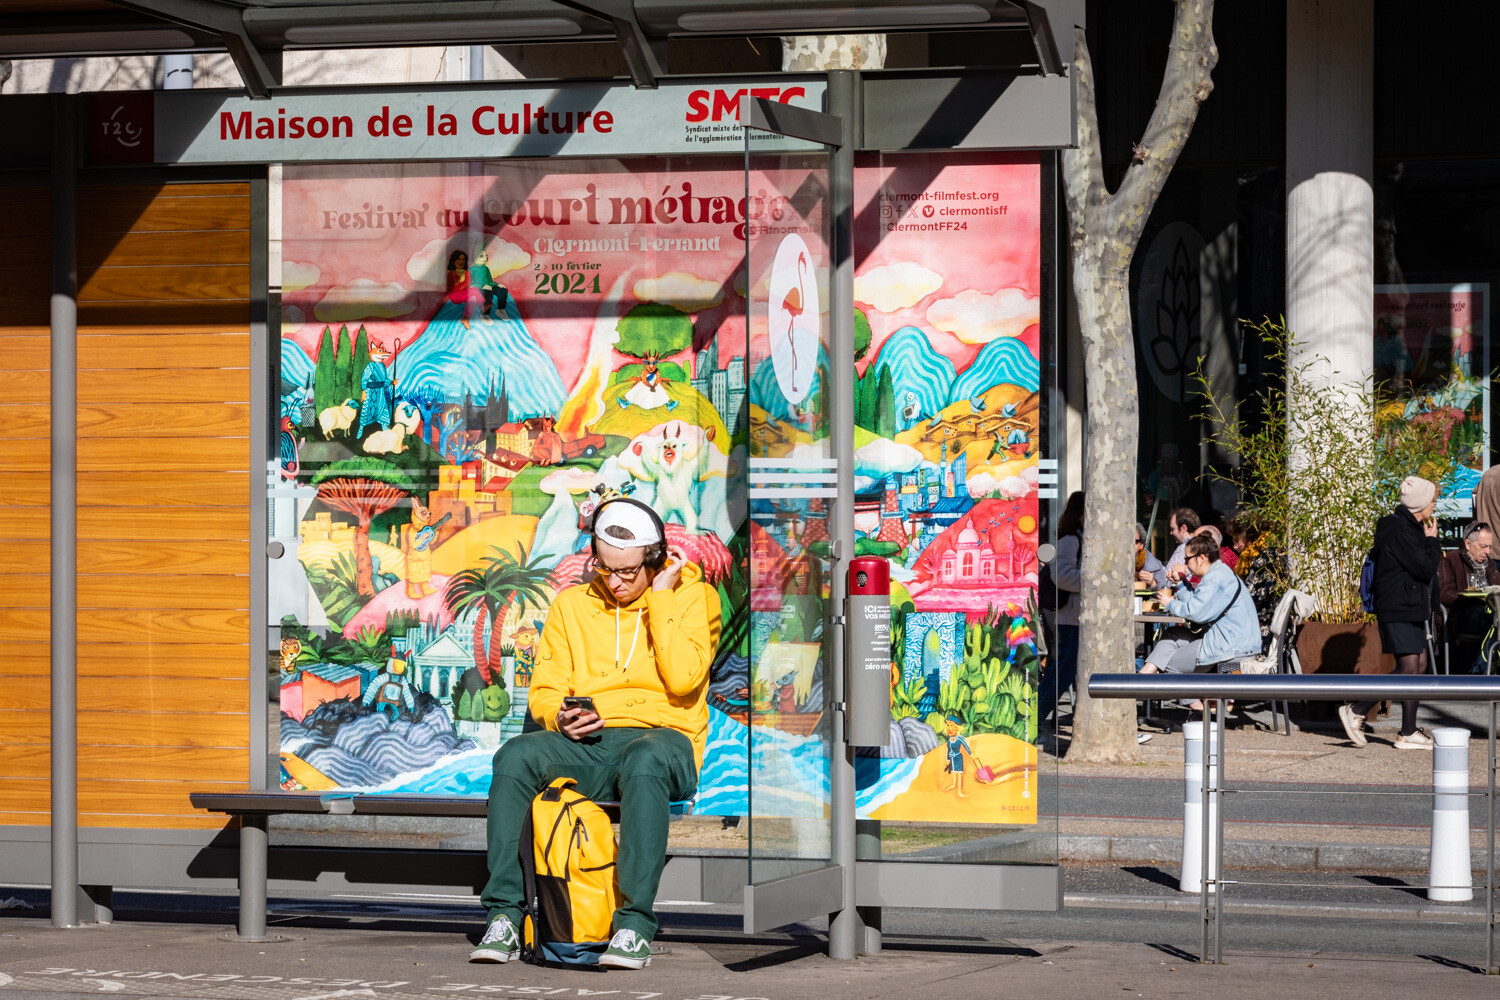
313, 390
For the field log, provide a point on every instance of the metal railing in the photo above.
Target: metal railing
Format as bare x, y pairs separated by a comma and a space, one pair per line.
1215, 689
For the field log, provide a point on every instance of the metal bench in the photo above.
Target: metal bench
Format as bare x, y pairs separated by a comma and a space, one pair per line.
253, 809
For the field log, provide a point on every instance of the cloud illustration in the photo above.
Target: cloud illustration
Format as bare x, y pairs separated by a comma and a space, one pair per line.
883, 458
292, 319
976, 318
504, 255
364, 299
297, 275
981, 484
892, 287
687, 292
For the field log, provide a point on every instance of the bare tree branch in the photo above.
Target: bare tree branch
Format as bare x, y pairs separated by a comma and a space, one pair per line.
1185, 85
1104, 230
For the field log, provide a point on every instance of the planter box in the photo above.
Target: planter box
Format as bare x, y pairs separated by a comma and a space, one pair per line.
1342, 649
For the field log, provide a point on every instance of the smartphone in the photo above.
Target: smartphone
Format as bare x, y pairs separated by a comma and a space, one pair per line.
582, 701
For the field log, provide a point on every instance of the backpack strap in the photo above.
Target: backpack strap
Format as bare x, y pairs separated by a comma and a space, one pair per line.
531, 907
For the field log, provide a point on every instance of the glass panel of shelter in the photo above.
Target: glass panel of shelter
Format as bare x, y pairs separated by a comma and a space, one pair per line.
792, 493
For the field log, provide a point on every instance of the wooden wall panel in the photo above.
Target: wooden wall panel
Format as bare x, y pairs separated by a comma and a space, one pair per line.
31, 556
203, 593
146, 422
26, 227
207, 385
184, 455
25, 492
165, 475
210, 557
204, 489
149, 284
34, 421
162, 524
27, 659
182, 660
210, 765
175, 352
27, 348
164, 491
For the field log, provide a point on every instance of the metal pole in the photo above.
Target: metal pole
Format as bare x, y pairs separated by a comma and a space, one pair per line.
64, 520
1489, 875
845, 930
1203, 867
867, 848
253, 843
1221, 710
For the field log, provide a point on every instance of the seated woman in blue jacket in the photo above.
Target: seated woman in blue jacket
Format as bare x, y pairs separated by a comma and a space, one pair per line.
1218, 603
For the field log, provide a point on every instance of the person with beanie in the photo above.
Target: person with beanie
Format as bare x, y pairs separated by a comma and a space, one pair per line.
1406, 554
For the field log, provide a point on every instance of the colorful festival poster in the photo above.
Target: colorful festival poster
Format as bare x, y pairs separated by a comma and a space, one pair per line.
948, 290
473, 356
1431, 365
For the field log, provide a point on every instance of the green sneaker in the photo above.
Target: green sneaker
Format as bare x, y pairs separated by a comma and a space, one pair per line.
627, 950
500, 944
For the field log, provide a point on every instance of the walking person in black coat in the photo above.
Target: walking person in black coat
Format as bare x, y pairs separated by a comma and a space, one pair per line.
1406, 553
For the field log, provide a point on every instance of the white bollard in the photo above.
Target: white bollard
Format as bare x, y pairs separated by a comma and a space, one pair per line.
1449, 877
1192, 810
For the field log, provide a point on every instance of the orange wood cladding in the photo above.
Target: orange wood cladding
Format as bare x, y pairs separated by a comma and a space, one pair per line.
164, 481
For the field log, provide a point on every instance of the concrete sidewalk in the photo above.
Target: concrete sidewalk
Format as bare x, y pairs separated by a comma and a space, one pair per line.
389, 961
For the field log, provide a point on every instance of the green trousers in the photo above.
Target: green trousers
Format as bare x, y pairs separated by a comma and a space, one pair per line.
644, 769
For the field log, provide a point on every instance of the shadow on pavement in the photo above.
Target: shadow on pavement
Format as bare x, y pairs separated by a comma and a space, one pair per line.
1154, 875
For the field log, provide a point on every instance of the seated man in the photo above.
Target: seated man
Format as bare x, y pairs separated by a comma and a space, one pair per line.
1182, 524
1222, 627
638, 639
1467, 568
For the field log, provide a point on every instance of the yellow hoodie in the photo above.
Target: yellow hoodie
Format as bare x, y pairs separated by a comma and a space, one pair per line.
645, 663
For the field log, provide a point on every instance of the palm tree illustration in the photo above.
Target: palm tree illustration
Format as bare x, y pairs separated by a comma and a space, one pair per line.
500, 585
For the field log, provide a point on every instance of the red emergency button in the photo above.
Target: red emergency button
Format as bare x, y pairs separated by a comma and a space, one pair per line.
870, 575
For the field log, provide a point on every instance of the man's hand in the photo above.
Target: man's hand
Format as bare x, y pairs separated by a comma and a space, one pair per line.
1146, 576
666, 578
576, 723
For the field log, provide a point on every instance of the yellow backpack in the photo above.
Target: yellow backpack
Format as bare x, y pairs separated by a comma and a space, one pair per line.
569, 870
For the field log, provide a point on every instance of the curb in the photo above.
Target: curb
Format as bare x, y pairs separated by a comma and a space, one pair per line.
1290, 856
1272, 908
1260, 853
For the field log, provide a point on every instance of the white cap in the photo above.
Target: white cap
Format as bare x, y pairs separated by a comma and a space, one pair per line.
631, 524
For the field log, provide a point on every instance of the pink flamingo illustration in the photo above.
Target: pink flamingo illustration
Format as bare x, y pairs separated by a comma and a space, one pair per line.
793, 304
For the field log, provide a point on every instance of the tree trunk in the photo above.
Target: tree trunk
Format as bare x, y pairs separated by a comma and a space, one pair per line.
492, 655
364, 566
1104, 230
815, 53
481, 652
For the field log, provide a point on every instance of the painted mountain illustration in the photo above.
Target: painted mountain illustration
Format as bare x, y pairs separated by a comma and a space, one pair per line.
452, 362
765, 391
1003, 360
916, 369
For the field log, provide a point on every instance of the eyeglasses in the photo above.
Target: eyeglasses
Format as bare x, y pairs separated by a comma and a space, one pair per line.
623, 575
1475, 529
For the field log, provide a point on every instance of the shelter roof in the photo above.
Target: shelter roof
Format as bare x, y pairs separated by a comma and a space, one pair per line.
256, 32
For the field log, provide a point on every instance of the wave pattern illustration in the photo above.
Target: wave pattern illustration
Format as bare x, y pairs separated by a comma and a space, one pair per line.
372, 749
